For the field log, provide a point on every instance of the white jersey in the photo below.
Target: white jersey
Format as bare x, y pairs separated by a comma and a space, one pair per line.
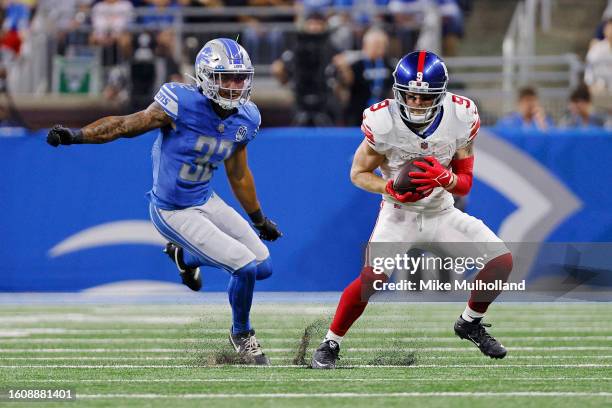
388, 135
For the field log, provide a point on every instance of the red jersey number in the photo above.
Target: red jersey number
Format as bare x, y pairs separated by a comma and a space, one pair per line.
379, 105
459, 101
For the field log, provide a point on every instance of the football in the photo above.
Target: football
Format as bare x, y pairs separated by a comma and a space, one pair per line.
403, 183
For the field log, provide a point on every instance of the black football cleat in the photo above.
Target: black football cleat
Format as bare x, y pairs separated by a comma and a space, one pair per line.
325, 357
477, 334
191, 277
249, 348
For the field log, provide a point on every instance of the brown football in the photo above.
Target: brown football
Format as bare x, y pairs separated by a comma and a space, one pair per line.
403, 182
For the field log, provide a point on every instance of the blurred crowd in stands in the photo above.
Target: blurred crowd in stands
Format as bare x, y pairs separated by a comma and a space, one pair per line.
589, 105
336, 56
530, 115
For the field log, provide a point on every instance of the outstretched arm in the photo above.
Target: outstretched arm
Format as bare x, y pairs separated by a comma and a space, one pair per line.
113, 127
243, 185
110, 128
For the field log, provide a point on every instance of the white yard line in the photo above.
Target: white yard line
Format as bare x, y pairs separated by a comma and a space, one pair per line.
283, 315
93, 350
402, 318
356, 332
119, 358
290, 340
88, 318
501, 365
325, 380
16, 330
419, 358
284, 309
353, 395
467, 349
289, 321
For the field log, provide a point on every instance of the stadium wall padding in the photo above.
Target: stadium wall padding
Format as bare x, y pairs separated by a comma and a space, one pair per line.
76, 217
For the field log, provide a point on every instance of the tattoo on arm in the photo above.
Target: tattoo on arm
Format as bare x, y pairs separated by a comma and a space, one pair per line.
465, 151
113, 127
469, 148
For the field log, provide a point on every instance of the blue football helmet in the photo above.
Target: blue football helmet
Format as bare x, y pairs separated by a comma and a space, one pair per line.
420, 73
220, 62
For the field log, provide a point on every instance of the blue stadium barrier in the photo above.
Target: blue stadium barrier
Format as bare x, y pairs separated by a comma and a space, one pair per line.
76, 217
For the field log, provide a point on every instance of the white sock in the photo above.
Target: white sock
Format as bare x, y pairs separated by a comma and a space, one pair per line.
333, 336
469, 315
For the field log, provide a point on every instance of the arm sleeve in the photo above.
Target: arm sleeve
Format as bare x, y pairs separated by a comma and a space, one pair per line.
463, 169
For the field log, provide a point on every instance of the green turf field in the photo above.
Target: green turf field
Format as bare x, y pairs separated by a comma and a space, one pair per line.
560, 355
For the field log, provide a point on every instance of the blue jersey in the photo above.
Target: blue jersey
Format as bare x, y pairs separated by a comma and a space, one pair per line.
186, 154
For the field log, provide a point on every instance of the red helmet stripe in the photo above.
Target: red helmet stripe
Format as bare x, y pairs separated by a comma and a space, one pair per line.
421, 63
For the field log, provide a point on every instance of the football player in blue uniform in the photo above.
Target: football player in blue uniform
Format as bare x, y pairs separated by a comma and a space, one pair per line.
201, 126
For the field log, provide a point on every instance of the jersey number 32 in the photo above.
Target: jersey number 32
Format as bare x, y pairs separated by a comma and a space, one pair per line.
201, 169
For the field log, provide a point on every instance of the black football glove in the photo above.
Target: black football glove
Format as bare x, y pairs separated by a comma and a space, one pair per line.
268, 230
62, 135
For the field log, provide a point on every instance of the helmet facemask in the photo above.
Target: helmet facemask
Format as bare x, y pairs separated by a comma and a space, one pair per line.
415, 114
216, 84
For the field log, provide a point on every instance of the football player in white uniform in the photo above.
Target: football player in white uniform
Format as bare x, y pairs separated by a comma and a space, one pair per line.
423, 120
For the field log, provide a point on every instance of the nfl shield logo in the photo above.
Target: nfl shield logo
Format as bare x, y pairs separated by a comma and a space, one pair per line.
424, 145
241, 133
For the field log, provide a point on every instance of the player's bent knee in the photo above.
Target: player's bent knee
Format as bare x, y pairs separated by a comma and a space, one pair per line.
264, 269
504, 261
500, 266
237, 255
249, 271
368, 277
261, 251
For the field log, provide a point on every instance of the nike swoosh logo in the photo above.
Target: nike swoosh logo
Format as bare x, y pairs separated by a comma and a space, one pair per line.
472, 340
234, 345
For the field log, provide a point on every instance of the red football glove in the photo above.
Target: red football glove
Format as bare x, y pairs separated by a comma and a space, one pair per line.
434, 174
408, 197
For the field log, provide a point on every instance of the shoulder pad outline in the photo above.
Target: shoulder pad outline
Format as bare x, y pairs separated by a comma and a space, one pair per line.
378, 117
465, 108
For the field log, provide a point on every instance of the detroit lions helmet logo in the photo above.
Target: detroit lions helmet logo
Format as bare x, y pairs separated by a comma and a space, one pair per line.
241, 133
